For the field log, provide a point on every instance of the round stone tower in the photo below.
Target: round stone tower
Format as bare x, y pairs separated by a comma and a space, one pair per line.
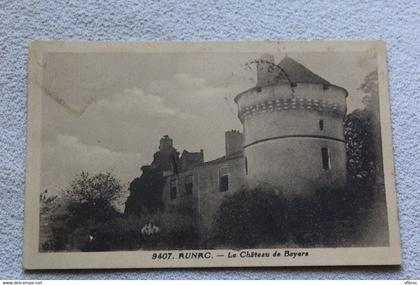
293, 129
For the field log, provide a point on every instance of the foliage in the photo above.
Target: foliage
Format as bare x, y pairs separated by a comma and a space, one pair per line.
249, 217
146, 192
362, 165
85, 203
102, 188
179, 229
363, 137
48, 203
49, 206
315, 220
173, 229
262, 217
84, 219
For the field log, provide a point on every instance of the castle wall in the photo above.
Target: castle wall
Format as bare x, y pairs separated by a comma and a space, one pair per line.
210, 196
189, 160
182, 197
292, 123
295, 165
206, 196
285, 131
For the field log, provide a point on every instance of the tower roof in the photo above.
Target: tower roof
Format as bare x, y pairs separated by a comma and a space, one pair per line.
295, 72
287, 71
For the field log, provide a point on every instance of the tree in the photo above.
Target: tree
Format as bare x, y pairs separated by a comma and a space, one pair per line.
362, 164
49, 204
73, 218
362, 135
146, 192
263, 217
248, 218
362, 131
102, 188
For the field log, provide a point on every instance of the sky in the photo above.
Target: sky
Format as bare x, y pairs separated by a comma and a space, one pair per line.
107, 111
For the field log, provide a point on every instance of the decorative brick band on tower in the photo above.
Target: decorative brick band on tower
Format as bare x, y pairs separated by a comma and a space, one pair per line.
293, 130
291, 104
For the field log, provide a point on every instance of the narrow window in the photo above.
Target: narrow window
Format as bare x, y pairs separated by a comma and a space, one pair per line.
224, 183
173, 190
223, 179
189, 185
321, 124
246, 166
325, 158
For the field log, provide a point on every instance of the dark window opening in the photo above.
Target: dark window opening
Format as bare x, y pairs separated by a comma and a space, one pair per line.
173, 163
293, 84
173, 193
246, 166
321, 124
325, 86
189, 185
224, 183
325, 158
173, 190
188, 188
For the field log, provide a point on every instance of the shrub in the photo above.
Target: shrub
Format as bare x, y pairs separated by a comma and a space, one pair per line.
171, 229
249, 218
179, 229
262, 217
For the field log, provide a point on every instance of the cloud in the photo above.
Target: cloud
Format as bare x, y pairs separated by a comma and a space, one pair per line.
188, 84
72, 144
135, 100
189, 81
200, 97
66, 157
120, 130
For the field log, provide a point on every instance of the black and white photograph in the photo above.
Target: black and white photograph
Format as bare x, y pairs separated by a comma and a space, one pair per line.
209, 155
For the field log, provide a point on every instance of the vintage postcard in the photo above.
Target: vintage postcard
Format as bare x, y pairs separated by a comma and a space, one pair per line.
209, 154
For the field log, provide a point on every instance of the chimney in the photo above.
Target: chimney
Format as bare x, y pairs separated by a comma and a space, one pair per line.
233, 142
266, 70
